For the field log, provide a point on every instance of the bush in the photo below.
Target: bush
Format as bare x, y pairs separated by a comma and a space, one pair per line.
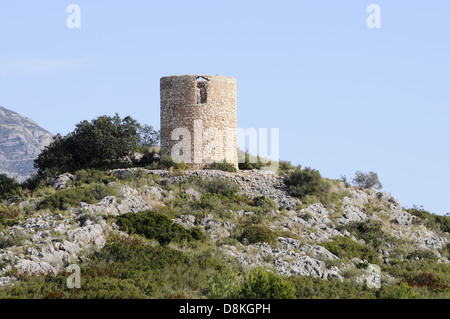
344, 247
149, 156
258, 283
285, 166
403, 291
249, 162
153, 225
309, 287
264, 203
71, 197
226, 167
219, 186
306, 182
370, 231
167, 162
211, 202
164, 162
258, 234
8, 187
9, 239
91, 175
262, 284
409, 269
432, 221
223, 286
9, 215
128, 270
422, 254
367, 180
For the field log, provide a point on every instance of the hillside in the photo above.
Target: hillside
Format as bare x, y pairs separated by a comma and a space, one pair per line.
21, 140
139, 233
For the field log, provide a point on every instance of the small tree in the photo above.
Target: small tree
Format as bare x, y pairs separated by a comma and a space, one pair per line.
148, 137
367, 180
99, 143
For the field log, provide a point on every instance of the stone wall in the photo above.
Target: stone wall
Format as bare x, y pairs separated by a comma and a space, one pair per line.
199, 118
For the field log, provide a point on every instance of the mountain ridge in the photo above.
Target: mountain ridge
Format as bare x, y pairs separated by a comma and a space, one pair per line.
21, 141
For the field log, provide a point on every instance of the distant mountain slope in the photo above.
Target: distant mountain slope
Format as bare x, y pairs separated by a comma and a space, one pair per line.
21, 140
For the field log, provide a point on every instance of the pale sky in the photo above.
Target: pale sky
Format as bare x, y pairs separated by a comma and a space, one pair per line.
344, 96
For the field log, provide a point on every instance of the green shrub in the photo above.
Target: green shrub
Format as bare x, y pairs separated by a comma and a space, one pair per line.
344, 247
370, 231
309, 287
219, 186
403, 291
92, 175
71, 197
432, 221
153, 225
226, 167
445, 251
197, 234
151, 257
264, 203
9, 215
211, 202
249, 162
8, 187
285, 166
408, 269
166, 162
306, 182
257, 283
223, 286
8, 239
262, 284
149, 157
422, 254
258, 234
128, 269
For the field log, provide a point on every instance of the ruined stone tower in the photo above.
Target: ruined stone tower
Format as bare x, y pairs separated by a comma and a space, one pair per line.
199, 119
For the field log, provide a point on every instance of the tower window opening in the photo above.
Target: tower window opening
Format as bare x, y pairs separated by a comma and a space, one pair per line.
201, 92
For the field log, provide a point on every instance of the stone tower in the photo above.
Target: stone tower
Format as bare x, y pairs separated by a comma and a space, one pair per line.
199, 119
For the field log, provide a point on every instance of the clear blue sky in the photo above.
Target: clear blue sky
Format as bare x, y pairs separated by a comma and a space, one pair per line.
344, 96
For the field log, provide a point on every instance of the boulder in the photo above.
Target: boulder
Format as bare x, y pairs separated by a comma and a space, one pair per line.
63, 181
154, 192
193, 193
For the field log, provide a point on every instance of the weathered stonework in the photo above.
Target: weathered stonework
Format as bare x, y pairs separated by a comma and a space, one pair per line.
199, 113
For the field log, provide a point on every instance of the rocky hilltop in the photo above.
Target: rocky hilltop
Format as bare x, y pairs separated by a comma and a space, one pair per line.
337, 242
21, 140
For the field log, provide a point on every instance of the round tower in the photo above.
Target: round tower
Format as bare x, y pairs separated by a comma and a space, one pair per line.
199, 119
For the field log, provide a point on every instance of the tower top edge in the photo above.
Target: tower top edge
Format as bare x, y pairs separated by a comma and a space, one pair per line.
204, 76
